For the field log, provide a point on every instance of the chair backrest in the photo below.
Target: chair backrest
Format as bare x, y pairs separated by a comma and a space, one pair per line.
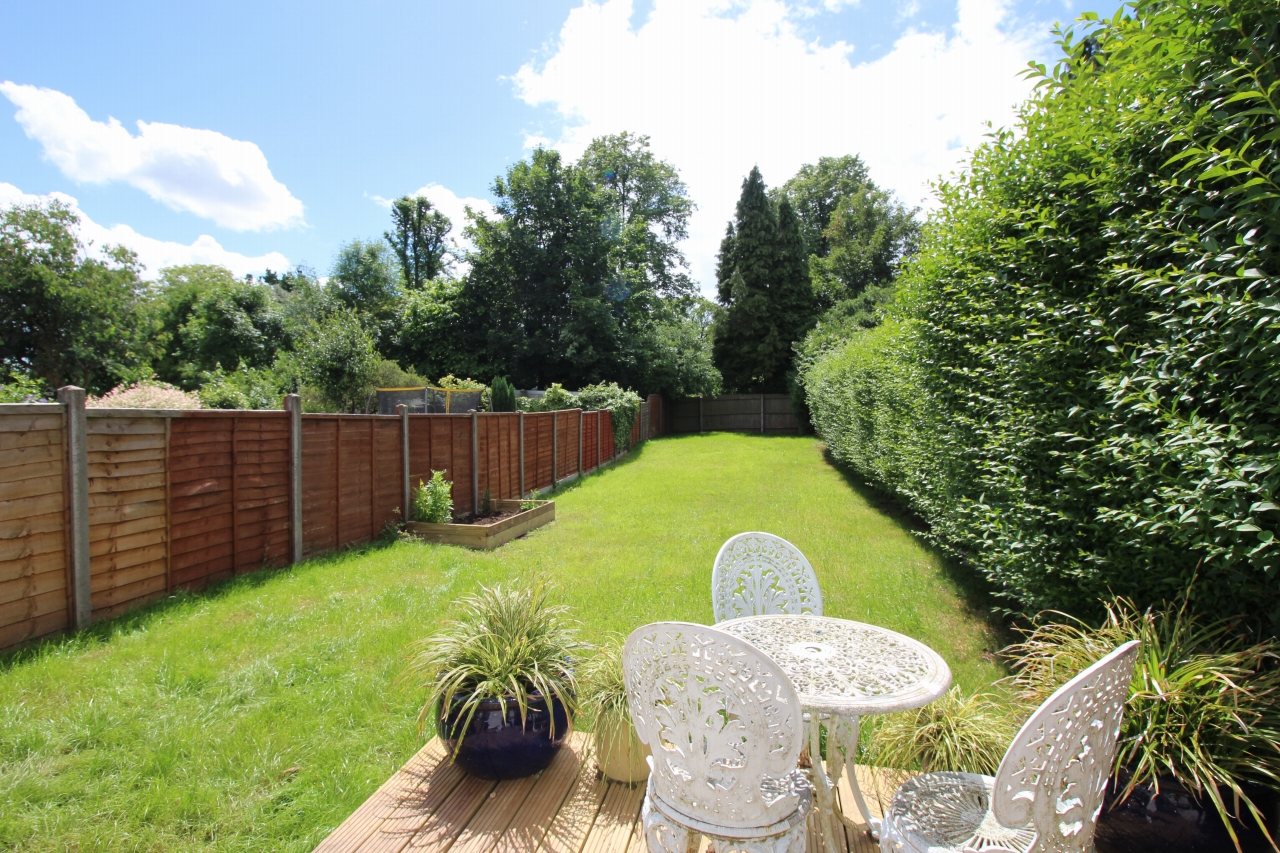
759, 573
722, 721
1056, 769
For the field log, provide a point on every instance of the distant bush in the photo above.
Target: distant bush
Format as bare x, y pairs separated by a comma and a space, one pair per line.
337, 357
1081, 396
145, 395
622, 404
554, 399
20, 388
502, 396
453, 383
245, 388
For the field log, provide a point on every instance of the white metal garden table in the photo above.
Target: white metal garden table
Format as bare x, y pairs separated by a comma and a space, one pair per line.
843, 670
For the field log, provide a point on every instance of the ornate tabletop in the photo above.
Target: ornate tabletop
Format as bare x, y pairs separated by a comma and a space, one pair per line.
847, 668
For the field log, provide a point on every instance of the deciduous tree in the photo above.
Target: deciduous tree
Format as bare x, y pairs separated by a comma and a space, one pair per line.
65, 316
418, 238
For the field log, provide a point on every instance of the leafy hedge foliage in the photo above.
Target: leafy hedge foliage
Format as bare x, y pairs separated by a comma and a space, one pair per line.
1082, 393
622, 404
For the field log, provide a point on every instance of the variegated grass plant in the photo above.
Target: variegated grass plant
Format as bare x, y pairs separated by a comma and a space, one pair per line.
1204, 705
604, 697
957, 732
509, 643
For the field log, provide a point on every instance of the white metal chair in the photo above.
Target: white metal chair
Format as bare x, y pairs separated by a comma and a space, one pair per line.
1047, 794
723, 724
759, 573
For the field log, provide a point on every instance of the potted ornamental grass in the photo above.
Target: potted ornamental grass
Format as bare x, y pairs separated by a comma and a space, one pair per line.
619, 753
1198, 760
500, 681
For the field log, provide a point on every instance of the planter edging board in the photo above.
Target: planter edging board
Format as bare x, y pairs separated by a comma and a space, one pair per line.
486, 537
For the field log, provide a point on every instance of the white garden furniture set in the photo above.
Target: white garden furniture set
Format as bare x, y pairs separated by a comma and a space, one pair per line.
728, 710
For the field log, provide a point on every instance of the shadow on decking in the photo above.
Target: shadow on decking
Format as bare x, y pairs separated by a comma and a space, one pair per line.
568, 808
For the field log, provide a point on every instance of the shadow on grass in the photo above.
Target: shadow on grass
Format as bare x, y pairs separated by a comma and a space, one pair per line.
977, 592
564, 487
143, 616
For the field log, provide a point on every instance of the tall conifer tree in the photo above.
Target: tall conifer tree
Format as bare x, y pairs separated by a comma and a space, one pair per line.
764, 288
791, 293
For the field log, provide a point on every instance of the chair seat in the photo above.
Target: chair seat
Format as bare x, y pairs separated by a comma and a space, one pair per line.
940, 812
798, 783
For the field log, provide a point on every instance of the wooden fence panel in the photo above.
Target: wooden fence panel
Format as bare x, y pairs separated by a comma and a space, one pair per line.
35, 598
389, 484
537, 450
355, 475
566, 443
499, 454
127, 492
201, 517
442, 443
260, 491
607, 449
735, 413
319, 484
590, 458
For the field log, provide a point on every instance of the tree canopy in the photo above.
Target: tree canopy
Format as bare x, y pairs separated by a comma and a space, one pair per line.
417, 238
765, 292
66, 317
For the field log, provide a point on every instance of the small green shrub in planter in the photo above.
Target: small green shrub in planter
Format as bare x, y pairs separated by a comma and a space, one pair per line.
433, 500
500, 681
619, 752
1203, 709
968, 734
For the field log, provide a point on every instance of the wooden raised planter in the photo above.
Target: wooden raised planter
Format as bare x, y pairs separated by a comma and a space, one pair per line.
486, 537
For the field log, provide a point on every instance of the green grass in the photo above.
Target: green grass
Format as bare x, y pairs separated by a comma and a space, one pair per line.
259, 715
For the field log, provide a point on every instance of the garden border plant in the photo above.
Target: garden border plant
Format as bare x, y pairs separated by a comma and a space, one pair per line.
1203, 708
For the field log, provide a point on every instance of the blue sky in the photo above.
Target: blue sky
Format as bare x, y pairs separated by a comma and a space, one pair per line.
270, 132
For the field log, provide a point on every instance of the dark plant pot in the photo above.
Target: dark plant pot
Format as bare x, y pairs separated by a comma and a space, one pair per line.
495, 746
1175, 821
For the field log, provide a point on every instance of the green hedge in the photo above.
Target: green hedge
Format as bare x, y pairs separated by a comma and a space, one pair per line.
1082, 394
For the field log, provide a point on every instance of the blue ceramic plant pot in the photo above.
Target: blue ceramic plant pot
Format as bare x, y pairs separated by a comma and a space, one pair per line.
496, 746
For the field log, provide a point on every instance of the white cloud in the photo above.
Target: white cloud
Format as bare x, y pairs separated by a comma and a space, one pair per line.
200, 171
153, 254
721, 85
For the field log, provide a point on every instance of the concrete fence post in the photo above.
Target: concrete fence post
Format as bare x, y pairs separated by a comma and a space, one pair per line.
475, 463
762, 414
555, 446
293, 405
78, 475
580, 436
598, 460
522, 489
406, 507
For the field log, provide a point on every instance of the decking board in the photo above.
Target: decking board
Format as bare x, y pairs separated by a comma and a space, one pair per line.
431, 805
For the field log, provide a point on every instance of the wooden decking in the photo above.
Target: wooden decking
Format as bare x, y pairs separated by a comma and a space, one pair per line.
568, 808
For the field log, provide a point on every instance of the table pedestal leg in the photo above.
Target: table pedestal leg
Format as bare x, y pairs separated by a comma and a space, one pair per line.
823, 789
844, 732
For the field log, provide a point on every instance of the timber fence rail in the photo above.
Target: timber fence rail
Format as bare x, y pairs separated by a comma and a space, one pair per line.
105, 509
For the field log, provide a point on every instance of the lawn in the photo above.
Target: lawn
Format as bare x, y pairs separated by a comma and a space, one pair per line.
258, 715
